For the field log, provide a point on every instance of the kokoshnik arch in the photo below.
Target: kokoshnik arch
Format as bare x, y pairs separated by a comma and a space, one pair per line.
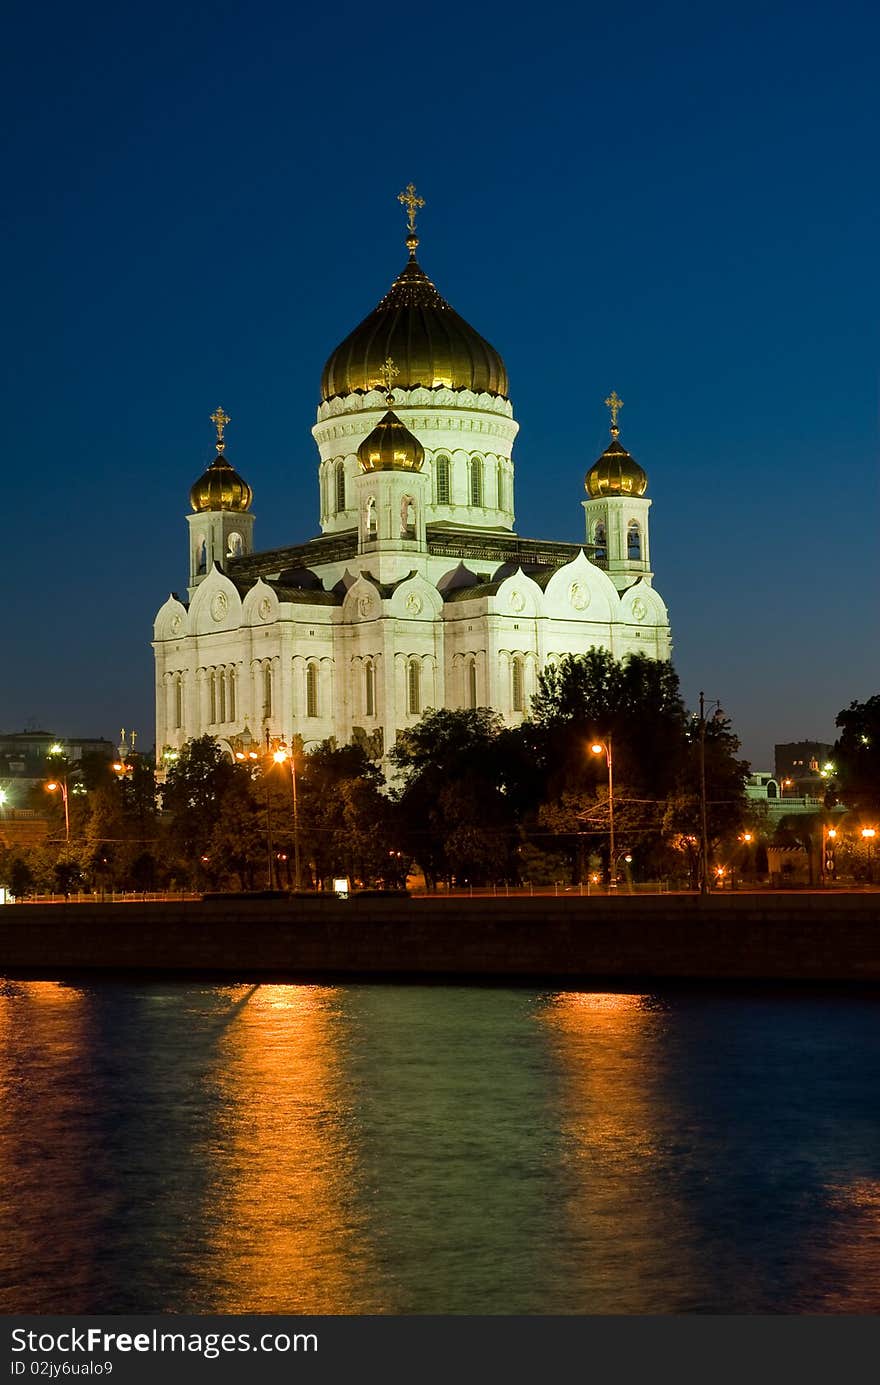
417, 593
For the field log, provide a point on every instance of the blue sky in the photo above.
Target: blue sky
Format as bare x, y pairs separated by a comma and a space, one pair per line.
676, 202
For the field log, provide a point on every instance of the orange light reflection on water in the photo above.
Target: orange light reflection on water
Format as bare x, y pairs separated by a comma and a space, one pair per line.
288, 1233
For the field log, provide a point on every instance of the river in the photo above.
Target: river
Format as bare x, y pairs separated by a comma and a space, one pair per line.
185, 1147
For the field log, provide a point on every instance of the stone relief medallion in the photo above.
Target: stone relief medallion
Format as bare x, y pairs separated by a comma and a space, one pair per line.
579, 595
639, 609
414, 603
219, 605
365, 605
265, 608
176, 623
517, 602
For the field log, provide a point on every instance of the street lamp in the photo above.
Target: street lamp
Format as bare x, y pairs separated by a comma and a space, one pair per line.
598, 748
279, 756
868, 836
704, 826
54, 786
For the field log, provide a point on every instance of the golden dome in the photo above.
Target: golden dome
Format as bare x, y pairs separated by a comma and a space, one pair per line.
221, 488
391, 447
615, 473
430, 343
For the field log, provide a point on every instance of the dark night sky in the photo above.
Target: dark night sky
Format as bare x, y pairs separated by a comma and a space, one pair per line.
676, 201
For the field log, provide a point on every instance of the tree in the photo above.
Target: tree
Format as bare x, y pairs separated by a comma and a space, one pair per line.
857, 755
194, 789
454, 812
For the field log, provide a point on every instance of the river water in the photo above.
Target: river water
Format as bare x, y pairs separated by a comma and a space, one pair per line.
183, 1147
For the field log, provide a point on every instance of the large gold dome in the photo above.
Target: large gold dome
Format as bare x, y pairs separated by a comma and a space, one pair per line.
615, 473
428, 341
391, 447
220, 488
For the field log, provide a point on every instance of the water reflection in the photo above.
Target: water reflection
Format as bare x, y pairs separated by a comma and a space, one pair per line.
389, 1149
626, 1233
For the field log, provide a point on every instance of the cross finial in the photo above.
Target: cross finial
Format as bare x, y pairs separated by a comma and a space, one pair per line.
389, 373
615, 405
220, 419
412, 204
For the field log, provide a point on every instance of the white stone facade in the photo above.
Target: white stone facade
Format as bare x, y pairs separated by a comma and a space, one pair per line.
418, 594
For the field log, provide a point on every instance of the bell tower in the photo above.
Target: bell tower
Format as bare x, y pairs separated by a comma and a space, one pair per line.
617, 510
221, 525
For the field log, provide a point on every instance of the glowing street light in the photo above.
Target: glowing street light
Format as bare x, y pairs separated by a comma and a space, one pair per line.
54, 786
279, 756
599, 748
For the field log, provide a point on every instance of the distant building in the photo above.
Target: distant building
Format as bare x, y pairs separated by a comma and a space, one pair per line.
801, 768
779, 798
23, 757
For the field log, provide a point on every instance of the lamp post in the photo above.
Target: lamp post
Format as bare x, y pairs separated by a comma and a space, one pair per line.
868, 836
54, 786
598, 748
704, 826
279, 756
829, 834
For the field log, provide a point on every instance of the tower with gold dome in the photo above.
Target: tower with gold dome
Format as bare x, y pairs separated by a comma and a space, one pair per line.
417, 592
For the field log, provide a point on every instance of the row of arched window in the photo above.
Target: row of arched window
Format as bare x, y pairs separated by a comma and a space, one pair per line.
337, 497
633, 541
221, 682
234, 549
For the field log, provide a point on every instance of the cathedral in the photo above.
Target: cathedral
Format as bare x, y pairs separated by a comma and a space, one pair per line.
418, 592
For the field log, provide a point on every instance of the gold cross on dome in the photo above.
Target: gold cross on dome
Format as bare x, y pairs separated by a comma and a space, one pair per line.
388, 373
615, 405
411, 202
220, 419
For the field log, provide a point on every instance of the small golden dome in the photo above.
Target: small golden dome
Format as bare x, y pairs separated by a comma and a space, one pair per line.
615, 473
431, 344
391, 447
220, 488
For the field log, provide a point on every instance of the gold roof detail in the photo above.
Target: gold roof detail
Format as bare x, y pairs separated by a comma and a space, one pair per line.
615, 472
391, 447
615, 405
412, 204
220, 487
431, 345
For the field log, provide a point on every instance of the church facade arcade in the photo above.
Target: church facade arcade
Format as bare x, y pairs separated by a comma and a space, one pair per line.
418, 592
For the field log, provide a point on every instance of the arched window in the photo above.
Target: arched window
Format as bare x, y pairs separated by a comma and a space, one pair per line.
472, 683
369, 689
212, 683
516, 680
221, 694
600, 542
441, 471
178, 702
634, 541
235, 546
476, 481
371, 518
340, 487
413, 688
267, 691
407, 518
312, 690
502, 488
230, 701
201, 554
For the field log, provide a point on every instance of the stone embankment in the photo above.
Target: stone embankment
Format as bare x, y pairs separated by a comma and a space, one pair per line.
778, 937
